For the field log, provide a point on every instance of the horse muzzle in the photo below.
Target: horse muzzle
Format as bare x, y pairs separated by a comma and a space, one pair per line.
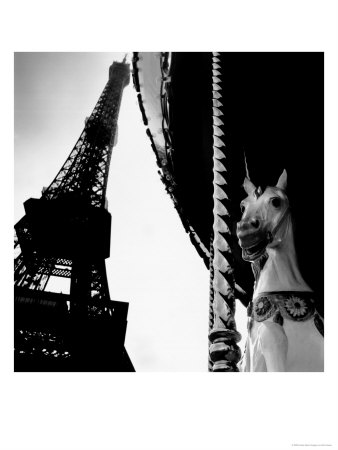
252, 239
254, 251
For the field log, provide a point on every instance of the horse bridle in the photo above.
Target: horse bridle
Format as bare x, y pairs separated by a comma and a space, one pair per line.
272, 233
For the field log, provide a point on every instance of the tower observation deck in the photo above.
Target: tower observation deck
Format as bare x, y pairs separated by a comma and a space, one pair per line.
66, 233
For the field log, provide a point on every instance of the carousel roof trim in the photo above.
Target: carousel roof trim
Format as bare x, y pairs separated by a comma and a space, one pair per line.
163, 153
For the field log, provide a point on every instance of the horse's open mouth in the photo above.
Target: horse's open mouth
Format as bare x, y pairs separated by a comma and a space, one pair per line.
254, 251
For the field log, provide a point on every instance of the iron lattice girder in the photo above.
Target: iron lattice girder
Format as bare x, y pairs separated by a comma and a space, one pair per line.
66, 233
49, 311
86, 169
56, 272
60, 267
45, 265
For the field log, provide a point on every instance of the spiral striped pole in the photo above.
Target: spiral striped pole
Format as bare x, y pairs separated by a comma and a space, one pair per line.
211, 306
224, 352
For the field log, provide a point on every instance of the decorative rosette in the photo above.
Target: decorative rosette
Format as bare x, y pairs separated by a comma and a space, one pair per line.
263, 308
297, 306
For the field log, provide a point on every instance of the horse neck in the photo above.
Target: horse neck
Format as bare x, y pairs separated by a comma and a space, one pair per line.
281, 271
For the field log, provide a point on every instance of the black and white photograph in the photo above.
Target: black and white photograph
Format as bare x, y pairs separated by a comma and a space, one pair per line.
174, 232
228, 136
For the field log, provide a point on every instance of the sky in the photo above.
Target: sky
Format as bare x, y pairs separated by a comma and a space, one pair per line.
152, 263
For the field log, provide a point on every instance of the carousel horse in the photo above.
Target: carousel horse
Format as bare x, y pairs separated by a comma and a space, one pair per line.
285, 332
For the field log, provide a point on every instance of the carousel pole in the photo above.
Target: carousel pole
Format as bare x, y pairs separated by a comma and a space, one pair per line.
224, 352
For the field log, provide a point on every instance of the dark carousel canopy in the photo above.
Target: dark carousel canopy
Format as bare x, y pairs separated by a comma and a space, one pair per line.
273, 112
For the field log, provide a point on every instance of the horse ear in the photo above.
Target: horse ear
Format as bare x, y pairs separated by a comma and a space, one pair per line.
249, 187
283, 181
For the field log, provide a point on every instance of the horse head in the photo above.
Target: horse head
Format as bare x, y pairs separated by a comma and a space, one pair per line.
263, 213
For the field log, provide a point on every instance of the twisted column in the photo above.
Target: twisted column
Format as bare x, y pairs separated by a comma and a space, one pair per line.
224, 352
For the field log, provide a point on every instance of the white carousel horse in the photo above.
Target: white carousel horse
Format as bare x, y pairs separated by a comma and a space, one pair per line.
285, 332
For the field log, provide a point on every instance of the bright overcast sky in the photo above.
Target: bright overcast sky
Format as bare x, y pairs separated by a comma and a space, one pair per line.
152, 263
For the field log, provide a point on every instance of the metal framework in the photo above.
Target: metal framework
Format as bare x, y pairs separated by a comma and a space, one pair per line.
66, 233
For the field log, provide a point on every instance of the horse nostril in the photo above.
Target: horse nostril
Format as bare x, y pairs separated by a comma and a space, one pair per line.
255, 223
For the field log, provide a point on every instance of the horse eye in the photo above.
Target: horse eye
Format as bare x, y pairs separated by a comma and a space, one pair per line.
276, 202
242, 207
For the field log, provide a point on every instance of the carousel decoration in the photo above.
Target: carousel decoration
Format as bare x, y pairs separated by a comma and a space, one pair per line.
152, 81
224, 352
203, 112
285, 331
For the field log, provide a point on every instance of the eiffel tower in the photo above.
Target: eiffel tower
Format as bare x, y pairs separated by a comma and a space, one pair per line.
66, 233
